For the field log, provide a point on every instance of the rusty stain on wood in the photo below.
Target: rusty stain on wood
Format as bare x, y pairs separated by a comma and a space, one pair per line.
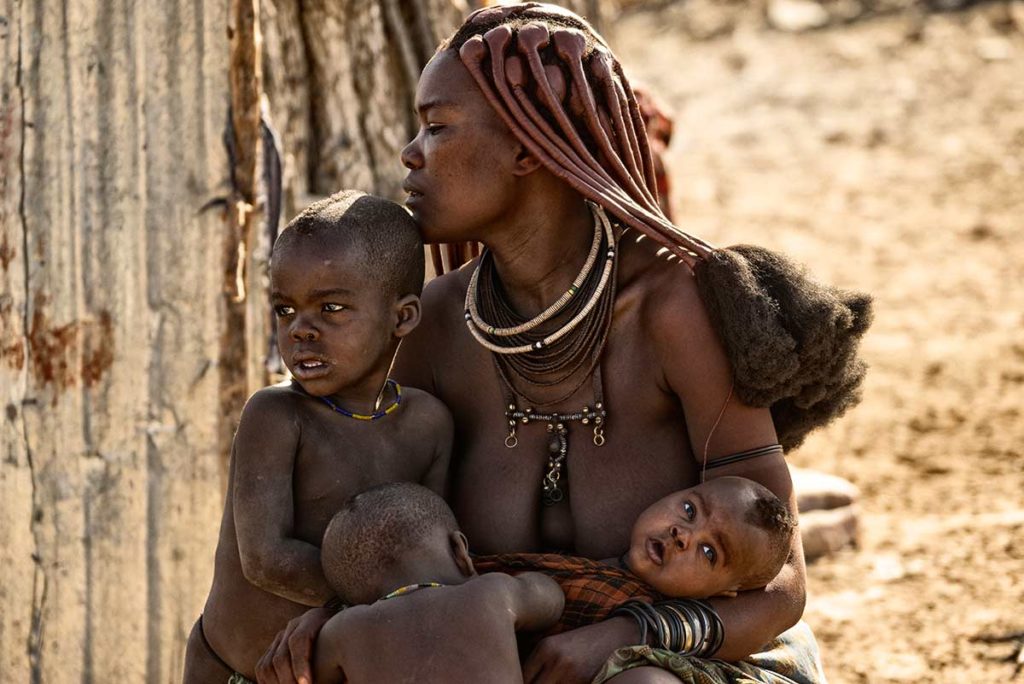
54, 350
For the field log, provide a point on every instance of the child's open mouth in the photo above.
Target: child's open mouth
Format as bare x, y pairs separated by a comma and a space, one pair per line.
656, 551
310, 368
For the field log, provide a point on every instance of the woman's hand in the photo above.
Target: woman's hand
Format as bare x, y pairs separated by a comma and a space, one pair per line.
575, 657
287, 661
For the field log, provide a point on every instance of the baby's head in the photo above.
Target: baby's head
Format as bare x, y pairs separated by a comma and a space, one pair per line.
345, 280
726, 535
390, 536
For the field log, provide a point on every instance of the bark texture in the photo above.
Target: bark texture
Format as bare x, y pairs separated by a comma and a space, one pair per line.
125, 346
111, 316
340, 76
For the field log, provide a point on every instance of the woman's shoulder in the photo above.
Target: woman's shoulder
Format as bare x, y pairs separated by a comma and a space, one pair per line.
663, 288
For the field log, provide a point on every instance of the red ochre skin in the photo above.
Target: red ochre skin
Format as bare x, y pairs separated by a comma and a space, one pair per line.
295, 461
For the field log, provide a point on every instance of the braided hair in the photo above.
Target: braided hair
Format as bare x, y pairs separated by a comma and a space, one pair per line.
561, 91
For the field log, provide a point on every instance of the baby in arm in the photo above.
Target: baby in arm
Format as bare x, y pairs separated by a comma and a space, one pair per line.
419, 612
723, 536
346, 275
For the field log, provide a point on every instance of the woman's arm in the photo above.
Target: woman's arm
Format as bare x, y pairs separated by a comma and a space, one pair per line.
697, 371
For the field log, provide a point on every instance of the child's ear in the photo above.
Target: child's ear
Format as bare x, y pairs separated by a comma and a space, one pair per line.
407, 315
460, 552
525, 162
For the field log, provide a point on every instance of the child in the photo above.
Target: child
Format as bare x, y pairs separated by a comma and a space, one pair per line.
422, 613
346, 275
721, 537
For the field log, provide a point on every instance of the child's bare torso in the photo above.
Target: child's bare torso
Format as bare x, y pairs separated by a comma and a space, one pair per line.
336, 458
440, 635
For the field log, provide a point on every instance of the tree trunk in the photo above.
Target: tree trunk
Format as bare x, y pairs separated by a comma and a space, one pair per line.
111, 316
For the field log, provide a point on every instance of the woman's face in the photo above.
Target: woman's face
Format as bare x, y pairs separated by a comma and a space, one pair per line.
461, 161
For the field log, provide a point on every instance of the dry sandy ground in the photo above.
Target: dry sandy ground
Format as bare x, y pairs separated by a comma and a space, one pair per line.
896, 166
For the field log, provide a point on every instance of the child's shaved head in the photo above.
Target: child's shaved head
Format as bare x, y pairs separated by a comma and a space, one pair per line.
382, 230
767, 512
375, 530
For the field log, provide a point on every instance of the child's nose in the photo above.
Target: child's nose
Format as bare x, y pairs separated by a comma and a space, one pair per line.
302, 332
679, 537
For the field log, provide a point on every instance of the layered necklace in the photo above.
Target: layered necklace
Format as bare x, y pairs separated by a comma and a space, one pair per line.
529, 354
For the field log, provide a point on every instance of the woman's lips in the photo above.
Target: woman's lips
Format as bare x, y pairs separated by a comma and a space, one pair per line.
655, 551
413, 198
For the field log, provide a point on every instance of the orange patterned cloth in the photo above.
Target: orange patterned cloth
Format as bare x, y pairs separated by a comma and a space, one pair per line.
592, 588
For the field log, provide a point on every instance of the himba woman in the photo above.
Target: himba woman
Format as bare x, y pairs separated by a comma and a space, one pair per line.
595, 357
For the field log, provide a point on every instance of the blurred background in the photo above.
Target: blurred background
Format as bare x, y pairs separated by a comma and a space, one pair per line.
149, 151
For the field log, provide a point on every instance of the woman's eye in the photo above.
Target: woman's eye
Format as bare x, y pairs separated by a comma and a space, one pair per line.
709, 553
283, 310
333, 308
689, 510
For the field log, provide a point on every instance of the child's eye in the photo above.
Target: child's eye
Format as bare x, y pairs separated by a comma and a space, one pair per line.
689, 510
333, 308
284, 310
433, 128
709, 553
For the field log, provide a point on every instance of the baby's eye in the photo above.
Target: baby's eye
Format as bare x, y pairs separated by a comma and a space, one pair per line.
333, 308
689, 510
284, 310
709, 553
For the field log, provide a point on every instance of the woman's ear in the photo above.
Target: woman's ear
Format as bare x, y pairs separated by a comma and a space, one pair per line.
525, 162
407, 314
460, 553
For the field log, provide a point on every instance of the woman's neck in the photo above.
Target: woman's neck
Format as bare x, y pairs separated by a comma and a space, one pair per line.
539, 254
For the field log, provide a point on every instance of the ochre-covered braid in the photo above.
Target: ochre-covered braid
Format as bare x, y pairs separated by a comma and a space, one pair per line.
543, 69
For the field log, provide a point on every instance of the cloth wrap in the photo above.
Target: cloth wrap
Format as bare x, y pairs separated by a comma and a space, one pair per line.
593, 589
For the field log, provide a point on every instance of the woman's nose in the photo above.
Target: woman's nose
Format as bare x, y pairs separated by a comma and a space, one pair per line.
412, 157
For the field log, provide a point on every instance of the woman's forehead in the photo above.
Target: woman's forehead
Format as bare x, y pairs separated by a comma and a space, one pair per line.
445, 81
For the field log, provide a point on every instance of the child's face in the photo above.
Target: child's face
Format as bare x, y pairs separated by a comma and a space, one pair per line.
695, 543
334, 325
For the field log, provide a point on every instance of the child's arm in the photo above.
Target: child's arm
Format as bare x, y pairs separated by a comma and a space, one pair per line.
444, 427
264, 457
326, 661
537, 601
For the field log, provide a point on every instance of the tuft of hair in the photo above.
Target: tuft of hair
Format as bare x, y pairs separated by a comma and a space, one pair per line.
770, 514
374, 531
381, 230
792, 342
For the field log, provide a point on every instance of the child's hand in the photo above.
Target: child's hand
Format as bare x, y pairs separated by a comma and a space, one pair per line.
287, 661
575, 657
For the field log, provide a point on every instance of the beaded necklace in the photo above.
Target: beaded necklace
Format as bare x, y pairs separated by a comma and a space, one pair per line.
537, 357
410, 588
376, 414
